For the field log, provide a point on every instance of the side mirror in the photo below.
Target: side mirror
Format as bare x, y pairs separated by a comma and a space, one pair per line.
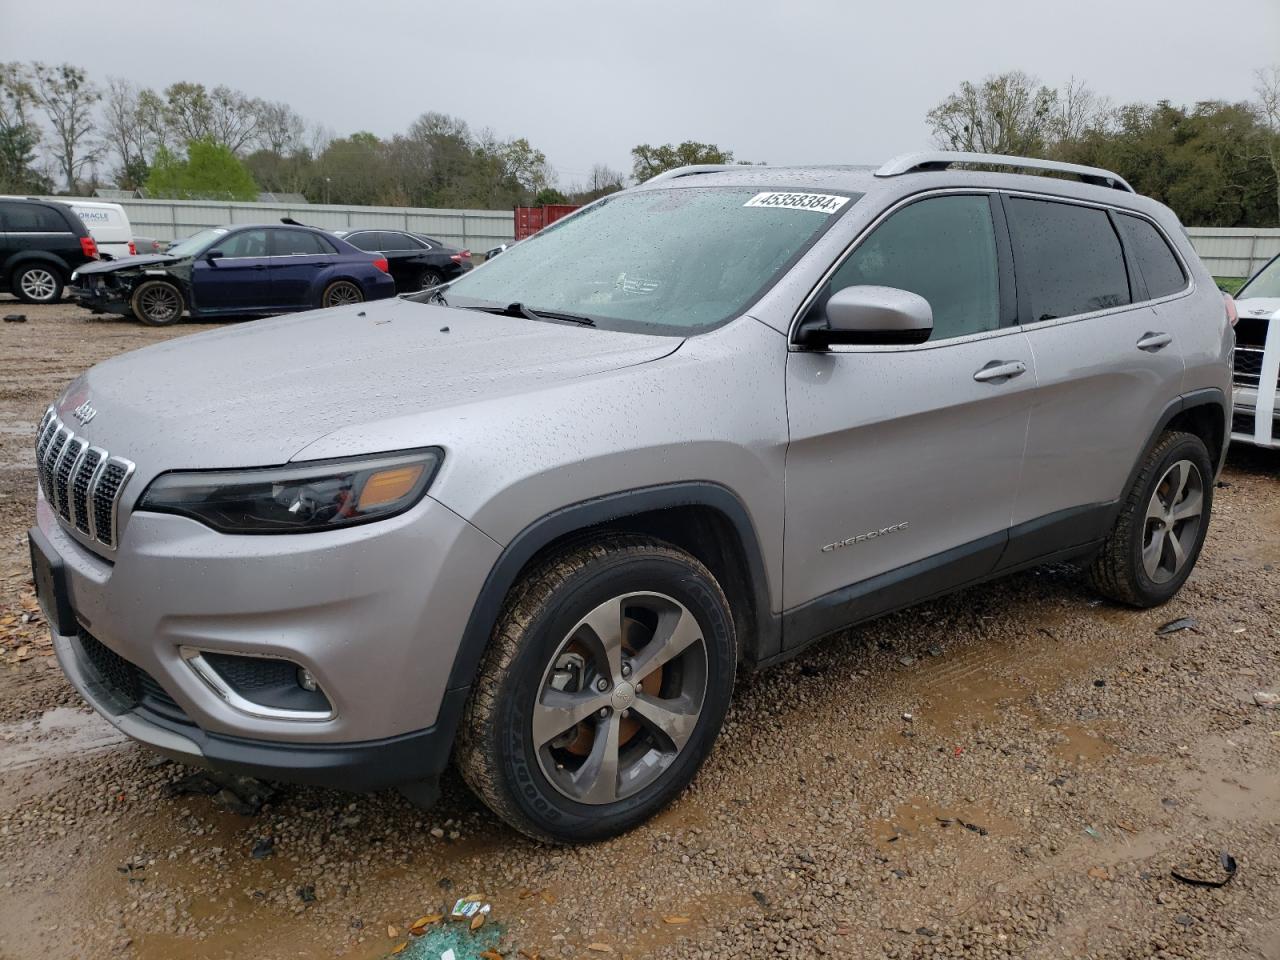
212, 255
869, 315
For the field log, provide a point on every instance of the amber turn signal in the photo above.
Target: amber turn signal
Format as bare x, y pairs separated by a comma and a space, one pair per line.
388, 486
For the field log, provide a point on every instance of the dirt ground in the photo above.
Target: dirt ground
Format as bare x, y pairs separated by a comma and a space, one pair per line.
1016, 771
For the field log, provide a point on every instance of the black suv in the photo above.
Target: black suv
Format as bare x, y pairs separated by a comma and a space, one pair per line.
41, 243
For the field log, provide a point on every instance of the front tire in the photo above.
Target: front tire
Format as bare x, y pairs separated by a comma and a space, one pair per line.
37, 283
1157, 537
605, 684
157, 303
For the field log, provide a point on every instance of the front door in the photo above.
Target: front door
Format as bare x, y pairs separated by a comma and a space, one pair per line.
904, 461
236, 281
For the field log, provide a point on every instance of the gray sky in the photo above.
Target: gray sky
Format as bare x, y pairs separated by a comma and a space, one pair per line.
808, 81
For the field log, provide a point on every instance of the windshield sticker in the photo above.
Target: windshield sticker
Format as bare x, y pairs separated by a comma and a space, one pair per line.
817, 202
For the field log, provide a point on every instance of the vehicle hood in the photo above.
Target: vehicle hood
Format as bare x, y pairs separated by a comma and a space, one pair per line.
258, 393
1258, 306
126, 263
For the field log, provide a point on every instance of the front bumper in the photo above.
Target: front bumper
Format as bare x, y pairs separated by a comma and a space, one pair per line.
99, 299
375, 613
1246, 424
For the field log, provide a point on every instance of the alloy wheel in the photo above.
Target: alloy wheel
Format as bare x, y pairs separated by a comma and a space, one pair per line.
39, 284
1173, 521
161, 303
620, 698
342, 294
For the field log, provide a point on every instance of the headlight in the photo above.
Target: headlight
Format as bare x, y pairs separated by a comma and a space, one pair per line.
303, 498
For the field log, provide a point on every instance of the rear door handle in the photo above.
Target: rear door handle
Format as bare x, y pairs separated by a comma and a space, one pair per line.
1000, 371
1152, 342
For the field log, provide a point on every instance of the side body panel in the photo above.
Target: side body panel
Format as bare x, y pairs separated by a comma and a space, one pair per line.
887, 437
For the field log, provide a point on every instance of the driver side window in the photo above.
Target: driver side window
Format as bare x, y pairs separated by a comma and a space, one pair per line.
942, 248
247, 243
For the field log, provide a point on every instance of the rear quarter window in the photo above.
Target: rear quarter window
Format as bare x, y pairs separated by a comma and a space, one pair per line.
1157, 264
1067, 257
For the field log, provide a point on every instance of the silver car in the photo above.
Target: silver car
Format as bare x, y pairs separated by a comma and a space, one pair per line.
539, 518
1256, 360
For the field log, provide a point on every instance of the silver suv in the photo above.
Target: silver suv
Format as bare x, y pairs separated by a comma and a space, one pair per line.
539, 518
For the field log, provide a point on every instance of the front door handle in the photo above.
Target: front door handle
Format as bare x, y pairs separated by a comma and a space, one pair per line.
1151, 342
1000, 370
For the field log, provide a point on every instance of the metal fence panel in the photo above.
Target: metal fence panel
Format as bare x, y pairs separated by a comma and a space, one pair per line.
1235, 251
478, 230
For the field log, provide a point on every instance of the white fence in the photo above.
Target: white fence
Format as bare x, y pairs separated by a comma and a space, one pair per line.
478, 230
1226, 251
1235, 251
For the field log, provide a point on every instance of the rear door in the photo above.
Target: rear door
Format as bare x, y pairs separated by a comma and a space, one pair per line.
6, 247
406, 259
904, 461
237, 280
297, 259
1107, 365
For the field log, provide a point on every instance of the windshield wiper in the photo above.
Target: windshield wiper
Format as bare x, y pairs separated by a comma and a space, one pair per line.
520, 310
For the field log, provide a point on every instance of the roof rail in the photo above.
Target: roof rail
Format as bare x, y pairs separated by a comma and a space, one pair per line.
942, 159
691, 171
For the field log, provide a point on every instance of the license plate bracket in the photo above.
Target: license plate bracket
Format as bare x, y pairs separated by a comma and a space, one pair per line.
53, 590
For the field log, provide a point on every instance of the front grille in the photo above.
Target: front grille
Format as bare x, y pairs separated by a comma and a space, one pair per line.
1242, 423
82, 483
1246, 363
129, 684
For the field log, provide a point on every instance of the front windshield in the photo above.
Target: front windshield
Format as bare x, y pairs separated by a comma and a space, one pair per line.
663, 261
195, 243
1265, 284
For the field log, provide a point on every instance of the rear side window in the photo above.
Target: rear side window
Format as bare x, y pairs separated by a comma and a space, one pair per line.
367, 240
398, 241
33, 218
1159, 267
1068, 258
943, 249
291, 243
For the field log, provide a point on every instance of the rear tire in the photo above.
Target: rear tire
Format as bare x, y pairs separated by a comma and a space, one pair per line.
341, 293
576, 731
430, 279
1157, 537
157, 303
37, 283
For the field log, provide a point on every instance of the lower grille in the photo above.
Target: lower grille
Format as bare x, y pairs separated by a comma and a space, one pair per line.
1246, 364
130, 684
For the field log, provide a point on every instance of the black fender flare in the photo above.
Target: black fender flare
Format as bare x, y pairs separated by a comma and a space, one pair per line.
1206, 397
594, 513
19, 260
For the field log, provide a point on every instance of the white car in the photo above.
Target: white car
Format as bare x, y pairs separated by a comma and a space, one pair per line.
1256, 360
108, 225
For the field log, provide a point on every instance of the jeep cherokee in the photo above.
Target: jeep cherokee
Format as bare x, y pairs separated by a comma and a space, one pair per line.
537, 519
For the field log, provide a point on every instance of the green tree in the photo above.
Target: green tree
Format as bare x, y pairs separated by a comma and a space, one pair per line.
548, 195
210, 171
19, 135
649, 161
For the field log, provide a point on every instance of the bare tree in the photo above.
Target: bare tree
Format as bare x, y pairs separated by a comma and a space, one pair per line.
1077, 111
67, 98
1005, 113
1267, 90
222, 115
280, 129
133, 124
